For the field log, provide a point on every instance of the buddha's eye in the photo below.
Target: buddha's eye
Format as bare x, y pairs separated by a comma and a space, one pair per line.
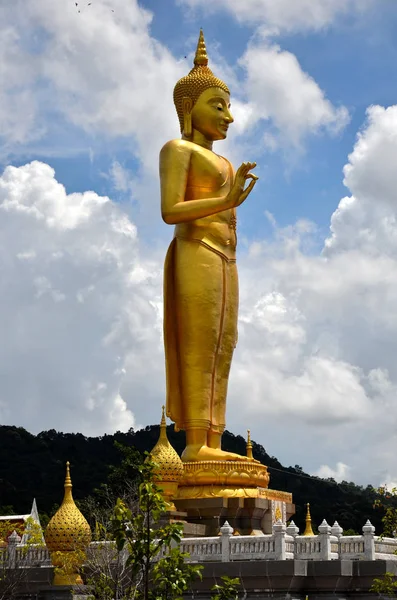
219, 107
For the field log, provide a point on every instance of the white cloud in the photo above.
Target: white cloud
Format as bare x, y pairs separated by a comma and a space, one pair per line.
96, 76
280, 91
315, 362
77, 302
284, 15
99, 69
366, 220
341, 472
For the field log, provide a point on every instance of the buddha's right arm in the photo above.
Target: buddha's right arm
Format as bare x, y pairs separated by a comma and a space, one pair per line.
174, 169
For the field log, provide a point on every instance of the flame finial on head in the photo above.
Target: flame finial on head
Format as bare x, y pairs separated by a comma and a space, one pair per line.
201, 58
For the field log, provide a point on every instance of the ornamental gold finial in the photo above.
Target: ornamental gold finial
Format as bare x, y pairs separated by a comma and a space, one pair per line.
163, 426
249, 445
308, 530
168, 466
68, 481
201, 58
67, 536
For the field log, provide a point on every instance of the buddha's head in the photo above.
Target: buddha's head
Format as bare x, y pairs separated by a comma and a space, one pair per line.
202, 101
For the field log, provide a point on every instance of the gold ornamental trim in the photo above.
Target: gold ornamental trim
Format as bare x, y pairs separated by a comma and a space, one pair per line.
276, 495
225, 474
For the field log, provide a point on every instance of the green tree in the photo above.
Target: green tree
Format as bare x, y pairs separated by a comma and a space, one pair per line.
227, 590
385, 586
387, 502
143, 552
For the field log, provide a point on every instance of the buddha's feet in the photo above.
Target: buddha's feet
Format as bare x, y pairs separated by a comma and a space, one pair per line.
203, 453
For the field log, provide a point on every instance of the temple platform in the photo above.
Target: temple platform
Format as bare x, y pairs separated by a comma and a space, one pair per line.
212, 492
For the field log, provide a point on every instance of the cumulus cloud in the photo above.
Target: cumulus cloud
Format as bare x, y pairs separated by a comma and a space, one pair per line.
279, 91
101, 68
99, 75
78, 304
284, 15
315, 361
366, 220
341, 472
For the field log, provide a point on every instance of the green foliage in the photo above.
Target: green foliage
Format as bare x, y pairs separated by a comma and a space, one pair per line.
350, 532
172, 576
227, 590
387, 503
385, 586
147, 553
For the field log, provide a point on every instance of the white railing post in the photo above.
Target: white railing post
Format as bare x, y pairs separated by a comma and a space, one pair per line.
292, 529
336, 530
324, 531
279, 531
13, 541
226, 534
369, 541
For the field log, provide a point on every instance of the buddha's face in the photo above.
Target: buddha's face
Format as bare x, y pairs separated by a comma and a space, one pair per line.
211, 114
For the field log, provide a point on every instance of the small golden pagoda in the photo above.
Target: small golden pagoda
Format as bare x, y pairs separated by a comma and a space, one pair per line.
67, 536
308, 530
169, 467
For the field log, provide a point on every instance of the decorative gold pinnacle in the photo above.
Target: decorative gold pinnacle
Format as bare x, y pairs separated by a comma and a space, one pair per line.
169, 467
308, 530
163, 424
249, 445
68, 481
67, 536
201, 58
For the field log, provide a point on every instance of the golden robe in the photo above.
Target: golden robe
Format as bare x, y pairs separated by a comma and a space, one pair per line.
200, 314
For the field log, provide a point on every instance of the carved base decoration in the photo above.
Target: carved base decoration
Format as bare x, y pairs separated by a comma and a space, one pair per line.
222, 479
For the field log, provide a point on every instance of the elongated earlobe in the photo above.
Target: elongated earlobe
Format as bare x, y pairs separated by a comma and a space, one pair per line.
187, 106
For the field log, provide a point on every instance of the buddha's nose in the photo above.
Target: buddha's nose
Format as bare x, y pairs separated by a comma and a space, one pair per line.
229, 117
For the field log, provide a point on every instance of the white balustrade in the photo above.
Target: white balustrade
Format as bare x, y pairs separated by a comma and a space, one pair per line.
202, 549
284, 543
385, 548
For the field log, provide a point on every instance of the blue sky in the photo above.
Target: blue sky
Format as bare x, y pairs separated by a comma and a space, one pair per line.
85, 106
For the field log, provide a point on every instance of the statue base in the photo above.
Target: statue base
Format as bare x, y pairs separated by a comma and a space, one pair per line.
212, 492
226, 478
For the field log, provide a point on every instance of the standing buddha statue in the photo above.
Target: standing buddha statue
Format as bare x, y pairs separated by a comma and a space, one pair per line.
200, 192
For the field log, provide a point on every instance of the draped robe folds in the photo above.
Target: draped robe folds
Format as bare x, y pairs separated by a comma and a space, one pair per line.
200, 314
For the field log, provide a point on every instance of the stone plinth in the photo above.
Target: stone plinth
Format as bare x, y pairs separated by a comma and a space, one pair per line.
247, 516
190, 530
212, 492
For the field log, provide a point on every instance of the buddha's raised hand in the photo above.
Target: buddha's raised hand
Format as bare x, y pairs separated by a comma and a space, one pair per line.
239, 193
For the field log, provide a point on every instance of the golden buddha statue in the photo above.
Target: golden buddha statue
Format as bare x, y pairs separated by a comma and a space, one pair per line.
200, 192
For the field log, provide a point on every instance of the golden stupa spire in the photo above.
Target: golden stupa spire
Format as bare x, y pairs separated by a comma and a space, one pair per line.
249, 445
68, 485
201, 58
168, 466
308, 530
67, 535
163, 425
